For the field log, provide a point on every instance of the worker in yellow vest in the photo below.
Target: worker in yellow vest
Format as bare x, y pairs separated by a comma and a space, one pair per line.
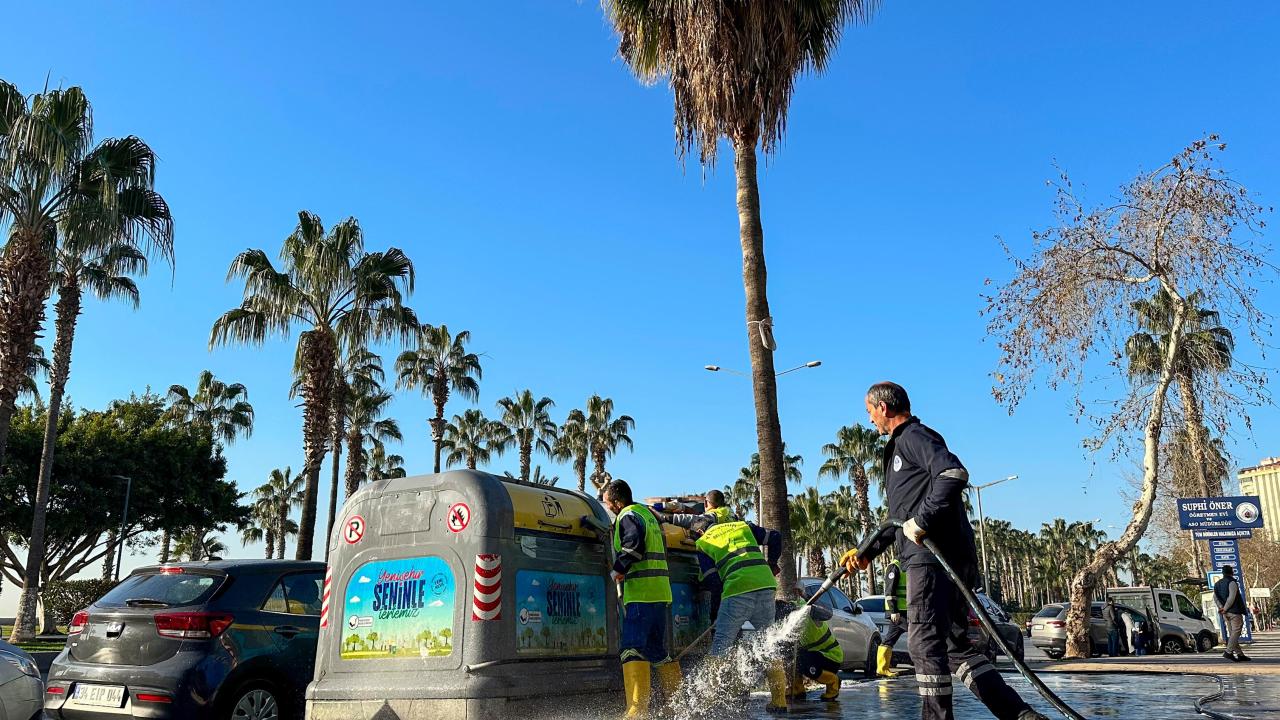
715, 511
895, 610
640, 567
818, 654
729, 556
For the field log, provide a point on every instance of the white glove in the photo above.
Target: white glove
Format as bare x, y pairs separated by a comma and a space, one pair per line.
895, 618
914, 532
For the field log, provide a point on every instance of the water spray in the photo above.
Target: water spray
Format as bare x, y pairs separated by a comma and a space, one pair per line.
981, 613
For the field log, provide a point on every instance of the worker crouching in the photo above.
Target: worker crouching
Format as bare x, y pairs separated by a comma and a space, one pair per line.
818, 655
640, 567
730, 558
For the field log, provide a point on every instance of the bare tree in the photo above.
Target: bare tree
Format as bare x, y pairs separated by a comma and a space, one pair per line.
1182, 229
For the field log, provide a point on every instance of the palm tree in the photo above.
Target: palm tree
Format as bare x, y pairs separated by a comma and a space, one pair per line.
573, 445
367, 428
440, 365
530, 425
221, 408
814, 521
740, 496
537, 478
359, 372
343, 296
856, 454
1206, 348
278, 496
199, 544
383, 466
261, 526
751, 473
51, 182
38, 365
473, 439
605, 434
732, 68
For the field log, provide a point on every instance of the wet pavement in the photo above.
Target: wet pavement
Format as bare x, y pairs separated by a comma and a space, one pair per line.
1094, 695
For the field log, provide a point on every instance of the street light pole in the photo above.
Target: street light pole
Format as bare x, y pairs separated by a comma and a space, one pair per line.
982, 529
124, 521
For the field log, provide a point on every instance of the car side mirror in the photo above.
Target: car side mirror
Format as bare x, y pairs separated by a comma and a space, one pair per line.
855, 610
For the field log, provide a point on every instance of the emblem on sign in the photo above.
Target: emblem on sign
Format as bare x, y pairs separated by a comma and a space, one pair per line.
353, 531
1247, 512
459, 517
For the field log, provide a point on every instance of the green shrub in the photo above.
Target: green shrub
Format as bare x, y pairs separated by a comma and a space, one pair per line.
63, 599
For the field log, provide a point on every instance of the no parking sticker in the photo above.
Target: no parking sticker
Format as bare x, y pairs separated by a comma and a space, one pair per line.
459, 517
353, 531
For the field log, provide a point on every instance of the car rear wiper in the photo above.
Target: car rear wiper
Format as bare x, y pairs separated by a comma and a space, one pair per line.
148, 602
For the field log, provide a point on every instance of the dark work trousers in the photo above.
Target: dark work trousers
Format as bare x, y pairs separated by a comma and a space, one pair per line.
892, 634
939, 646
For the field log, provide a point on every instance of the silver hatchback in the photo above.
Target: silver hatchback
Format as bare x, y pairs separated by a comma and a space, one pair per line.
21, 691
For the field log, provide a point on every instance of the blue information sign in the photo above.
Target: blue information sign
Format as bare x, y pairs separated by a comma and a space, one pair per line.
1223, 553
1221, 534
1220, 513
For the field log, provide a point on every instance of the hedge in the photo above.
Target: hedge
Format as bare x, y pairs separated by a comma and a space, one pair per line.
63, 599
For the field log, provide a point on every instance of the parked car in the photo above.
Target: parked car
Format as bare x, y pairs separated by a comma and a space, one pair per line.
873, 607
210, 640
1049, 631
852, 628
21, 692
1171, 607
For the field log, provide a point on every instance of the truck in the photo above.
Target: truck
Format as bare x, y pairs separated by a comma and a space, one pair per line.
1170, 607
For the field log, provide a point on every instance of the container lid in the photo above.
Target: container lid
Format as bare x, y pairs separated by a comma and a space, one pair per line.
548, 509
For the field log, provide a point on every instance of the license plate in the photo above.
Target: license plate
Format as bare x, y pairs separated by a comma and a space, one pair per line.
98, 695
1037, 627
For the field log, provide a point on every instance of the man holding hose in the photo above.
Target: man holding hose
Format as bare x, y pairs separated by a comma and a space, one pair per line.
925, 481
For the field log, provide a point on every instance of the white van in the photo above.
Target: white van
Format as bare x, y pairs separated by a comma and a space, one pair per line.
1173, 608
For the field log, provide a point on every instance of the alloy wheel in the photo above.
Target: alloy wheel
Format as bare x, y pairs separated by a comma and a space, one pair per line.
257, 704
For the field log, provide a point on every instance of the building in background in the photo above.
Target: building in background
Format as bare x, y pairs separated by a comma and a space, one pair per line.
1264, 481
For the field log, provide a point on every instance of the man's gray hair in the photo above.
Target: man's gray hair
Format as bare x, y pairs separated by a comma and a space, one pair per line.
893, 395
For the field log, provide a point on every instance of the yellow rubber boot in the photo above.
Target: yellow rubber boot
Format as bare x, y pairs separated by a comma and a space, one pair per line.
669, 678
884, 662
777, 678
636, 676
798, 689
832, 683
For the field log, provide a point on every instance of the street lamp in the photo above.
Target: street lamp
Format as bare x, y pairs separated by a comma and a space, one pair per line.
982, 526
717, 368
124, 520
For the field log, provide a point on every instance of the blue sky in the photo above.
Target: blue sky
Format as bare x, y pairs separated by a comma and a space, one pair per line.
533, 182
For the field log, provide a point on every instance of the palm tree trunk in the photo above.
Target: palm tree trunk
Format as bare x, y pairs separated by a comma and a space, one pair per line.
526, 456
24, 285
320, 355
282, 521
580, 469
440, 396
67, 309
773, 483
339, 432
355, 461
1086, 580
166, 540
1193, 418
270, 538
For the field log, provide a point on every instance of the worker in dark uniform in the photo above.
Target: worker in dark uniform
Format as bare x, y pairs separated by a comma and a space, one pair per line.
924, 481
895, 607
640, 567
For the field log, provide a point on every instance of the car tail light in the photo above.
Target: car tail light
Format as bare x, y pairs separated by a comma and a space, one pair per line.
55, 690
973, 619
192, 625
164, 570
152, 698
78, 623
1056, 624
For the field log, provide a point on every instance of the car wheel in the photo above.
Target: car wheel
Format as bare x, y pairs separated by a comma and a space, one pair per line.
1205, 642
869, 665
255, 701
1172, 646
1054, 654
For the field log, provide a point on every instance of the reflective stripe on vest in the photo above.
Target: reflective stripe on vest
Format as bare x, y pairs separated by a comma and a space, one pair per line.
647, 579
733, 549
816, 637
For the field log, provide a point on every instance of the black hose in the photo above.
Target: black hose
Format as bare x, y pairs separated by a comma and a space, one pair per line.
983, 618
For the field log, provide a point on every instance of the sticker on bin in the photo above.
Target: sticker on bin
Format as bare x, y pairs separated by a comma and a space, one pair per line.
353, 532
459, 517
486, 597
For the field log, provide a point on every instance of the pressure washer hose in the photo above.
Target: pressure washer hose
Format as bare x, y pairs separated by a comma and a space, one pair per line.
978, 610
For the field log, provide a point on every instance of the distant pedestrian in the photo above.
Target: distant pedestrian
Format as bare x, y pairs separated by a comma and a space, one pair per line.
1226, 593
1129, 641
1141, 637
1114, 627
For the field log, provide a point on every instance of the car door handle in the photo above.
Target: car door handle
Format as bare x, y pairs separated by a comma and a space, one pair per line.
288, 630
